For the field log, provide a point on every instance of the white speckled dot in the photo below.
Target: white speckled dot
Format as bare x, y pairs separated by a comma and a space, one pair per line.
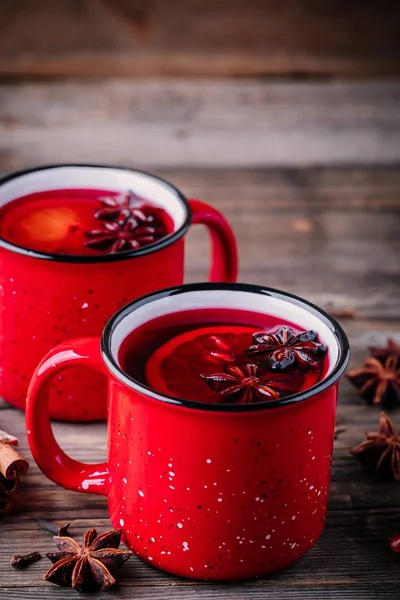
208, 461
141, 493
179, 525
121, 522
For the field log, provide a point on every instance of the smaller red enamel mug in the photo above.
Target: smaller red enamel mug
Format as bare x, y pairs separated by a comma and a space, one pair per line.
203, 491
48, 298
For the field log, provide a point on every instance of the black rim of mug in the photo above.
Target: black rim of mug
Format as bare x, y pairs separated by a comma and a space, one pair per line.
82, 259
337, 331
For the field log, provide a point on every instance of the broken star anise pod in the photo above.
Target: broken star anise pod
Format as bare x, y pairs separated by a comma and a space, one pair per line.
381, 451
378, 382
382, 352
284, 347
88, 567
243, 385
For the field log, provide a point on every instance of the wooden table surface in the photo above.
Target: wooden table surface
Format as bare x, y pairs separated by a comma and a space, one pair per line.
317, 213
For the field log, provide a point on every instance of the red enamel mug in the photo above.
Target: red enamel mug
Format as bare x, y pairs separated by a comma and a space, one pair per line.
206, 491
48, 298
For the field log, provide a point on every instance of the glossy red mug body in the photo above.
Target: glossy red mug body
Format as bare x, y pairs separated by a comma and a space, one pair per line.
48, 298
206, 491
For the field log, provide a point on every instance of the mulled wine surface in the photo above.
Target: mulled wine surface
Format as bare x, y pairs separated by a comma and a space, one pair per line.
83, 222
224, 356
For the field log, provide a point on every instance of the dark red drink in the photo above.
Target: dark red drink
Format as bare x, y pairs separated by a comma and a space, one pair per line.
83, 222
181, 354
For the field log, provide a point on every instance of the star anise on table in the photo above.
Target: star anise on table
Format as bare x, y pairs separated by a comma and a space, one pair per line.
378, 382
381, 451
243, 385
88, 567
382, 352
284, 347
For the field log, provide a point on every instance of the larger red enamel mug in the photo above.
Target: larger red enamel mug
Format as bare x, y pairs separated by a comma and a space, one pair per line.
206, 491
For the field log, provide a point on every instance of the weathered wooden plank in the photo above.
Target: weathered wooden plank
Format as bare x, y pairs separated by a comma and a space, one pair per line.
153, 124
240, 592
330, 235
199, 37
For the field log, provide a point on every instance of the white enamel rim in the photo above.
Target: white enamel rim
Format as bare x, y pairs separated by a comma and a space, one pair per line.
81, 176
242, 296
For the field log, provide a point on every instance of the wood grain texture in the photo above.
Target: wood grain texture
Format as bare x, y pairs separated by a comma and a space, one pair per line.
331, 235
199, 37
153, 123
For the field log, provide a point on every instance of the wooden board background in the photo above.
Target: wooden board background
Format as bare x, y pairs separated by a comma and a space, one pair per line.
155, 123
285, 115
131, 38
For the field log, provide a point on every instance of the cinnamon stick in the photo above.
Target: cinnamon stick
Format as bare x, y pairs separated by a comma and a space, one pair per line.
12, 465
8, 438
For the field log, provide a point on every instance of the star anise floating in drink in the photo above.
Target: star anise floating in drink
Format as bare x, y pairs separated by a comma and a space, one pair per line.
247, 384
380, 451
378, 380
125, 224
279, 359
88, 567
283, 347
119, 208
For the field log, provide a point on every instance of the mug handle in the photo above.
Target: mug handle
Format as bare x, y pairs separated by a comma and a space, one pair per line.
224, 264
55, 464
